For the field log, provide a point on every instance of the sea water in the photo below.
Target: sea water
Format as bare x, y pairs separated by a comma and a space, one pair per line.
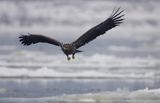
122, 66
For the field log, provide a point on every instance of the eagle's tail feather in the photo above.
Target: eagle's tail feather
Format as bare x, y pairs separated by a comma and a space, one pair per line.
78, 51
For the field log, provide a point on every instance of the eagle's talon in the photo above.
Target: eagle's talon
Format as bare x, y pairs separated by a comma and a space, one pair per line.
73, 57
68, 58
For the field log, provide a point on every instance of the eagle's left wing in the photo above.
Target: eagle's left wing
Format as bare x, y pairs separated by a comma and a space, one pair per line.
114, 20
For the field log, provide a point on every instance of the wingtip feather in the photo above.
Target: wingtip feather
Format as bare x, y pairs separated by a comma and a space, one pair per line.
117, 16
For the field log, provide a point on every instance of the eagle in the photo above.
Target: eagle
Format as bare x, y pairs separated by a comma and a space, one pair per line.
115, 19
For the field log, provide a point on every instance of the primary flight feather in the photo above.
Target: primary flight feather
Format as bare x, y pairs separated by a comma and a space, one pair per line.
114, 20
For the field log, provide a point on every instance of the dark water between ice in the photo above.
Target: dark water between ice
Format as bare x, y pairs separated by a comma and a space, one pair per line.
31, 88
127, 58
50, 90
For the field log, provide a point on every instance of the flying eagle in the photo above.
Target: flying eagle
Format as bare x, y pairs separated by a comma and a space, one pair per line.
72, 48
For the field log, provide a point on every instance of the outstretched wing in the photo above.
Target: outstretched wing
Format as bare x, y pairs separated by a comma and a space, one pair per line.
114, 20
33, 38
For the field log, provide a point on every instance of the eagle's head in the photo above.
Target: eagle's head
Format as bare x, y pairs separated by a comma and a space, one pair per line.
66, 46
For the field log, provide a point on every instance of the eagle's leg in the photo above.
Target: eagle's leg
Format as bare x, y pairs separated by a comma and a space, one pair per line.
68, 58
73, 56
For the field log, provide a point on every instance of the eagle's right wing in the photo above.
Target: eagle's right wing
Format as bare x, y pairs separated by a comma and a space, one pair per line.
34, 38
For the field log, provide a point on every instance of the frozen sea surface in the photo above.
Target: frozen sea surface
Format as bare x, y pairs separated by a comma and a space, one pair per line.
39, 65
79, 91
122, 66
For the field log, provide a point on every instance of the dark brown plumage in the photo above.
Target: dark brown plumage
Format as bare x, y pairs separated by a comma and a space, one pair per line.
33, 38
114, 20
